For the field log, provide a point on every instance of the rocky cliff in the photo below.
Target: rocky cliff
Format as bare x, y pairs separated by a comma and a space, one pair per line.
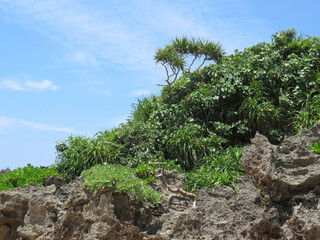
278, 199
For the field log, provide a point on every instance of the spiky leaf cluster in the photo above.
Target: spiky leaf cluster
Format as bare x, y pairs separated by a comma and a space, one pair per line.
174, 56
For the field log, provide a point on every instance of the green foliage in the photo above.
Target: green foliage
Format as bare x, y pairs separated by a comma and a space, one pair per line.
24, 176
173, 56
221, 168
189, 144
122, 179
79, 153
146, 172
272, 88
316, 147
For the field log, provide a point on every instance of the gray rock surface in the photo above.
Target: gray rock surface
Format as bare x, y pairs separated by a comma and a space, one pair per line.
281, 171
289, 176
65, 211
286, 207
220, 214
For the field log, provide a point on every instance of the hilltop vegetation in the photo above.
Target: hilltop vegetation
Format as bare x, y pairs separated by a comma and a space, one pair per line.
202, 119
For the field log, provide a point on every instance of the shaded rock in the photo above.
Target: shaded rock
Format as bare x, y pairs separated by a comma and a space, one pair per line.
290, 178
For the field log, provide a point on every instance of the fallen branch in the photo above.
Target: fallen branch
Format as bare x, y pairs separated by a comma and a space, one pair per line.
170, 189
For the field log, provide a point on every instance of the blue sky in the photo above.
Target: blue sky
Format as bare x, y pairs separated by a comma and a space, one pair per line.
76, 66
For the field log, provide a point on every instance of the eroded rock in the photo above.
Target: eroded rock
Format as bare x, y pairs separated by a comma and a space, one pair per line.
289, 175
68, 212
220, 214
282, 171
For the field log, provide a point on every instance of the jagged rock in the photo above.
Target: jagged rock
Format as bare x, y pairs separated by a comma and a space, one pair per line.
281, 171
289, 175
65, 211
220, 214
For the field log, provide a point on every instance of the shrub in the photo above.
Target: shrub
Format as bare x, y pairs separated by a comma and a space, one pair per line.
80, 153
24, 176
218, 169
146, 172
272, 88
122, 179
316, 147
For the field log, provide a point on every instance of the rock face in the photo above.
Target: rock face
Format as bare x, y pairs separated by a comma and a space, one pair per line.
64, 211
286, 207
220, 214
289, 176
283, 170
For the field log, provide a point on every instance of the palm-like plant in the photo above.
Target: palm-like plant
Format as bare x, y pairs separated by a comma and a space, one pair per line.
173, 56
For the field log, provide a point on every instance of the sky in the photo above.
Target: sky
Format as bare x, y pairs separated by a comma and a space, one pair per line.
75, 67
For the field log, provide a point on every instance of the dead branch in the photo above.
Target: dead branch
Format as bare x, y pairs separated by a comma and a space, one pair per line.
112, 144
171, 189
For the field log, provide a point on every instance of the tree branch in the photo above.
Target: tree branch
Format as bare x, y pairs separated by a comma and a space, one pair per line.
196, 56
170, 189
205, 59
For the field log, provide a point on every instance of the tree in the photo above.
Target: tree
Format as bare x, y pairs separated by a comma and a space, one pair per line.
173, 56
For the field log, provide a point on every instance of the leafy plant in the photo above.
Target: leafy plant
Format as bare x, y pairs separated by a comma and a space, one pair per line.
24, 176
80, 153
272, 88
218, 169
146, 172
122, 179
316, 147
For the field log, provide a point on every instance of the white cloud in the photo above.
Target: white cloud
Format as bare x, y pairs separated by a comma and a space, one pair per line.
127, 33
12, 85
27, 85
141, 92
45, 84
6, 122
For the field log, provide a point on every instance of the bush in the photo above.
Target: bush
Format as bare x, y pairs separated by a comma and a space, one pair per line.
80, 153
122, 179
218, 169
24, 176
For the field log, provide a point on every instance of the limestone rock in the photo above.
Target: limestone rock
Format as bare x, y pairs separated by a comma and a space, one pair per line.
289, 175
220, 214
68, 212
